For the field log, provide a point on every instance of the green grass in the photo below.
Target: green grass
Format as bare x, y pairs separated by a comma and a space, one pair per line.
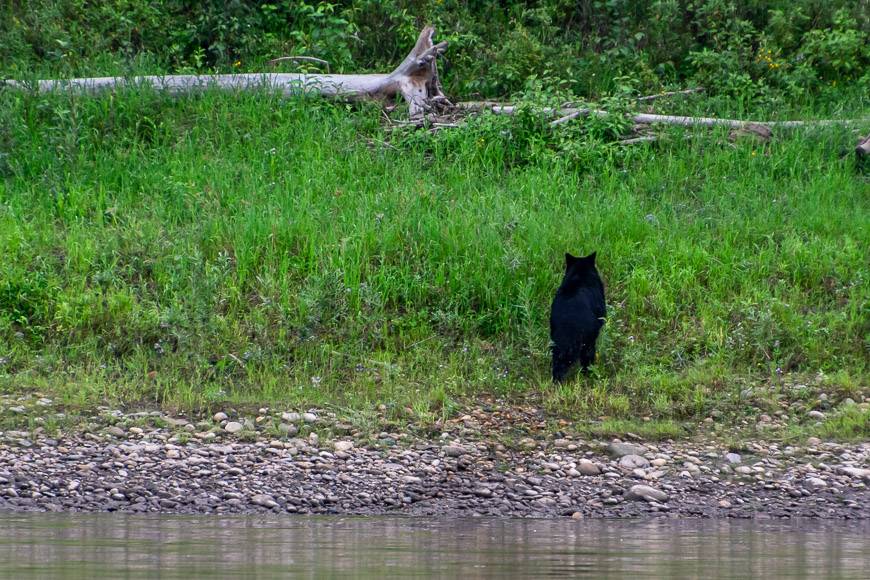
252, 250
850, 422
655, 430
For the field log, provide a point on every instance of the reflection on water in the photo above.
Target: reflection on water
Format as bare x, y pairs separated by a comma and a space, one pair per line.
119, 546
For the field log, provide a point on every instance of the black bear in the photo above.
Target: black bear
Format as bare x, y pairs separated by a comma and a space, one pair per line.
577, 316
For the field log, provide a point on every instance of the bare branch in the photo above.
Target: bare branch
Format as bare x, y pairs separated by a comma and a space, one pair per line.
641, 139
275, 61
668, 94
570, 116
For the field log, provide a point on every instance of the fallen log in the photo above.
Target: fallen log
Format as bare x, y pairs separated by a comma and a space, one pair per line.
415, 79
568, 114
647, 118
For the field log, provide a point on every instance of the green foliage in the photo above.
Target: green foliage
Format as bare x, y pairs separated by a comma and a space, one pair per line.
839, 52
528, 136
255, 248
747, 50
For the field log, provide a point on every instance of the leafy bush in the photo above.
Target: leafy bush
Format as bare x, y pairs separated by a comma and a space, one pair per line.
495, 46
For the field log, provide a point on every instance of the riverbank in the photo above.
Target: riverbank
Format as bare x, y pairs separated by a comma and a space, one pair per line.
250, 250
152, 462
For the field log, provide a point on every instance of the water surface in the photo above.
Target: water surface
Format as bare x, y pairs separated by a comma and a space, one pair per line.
121, 546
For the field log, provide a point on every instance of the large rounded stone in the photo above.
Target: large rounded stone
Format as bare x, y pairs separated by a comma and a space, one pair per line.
586, 467
633, 461
621, 449
233, 427
645, 493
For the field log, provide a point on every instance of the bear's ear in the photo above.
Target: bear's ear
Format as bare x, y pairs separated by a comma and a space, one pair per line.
569, 260
591, 258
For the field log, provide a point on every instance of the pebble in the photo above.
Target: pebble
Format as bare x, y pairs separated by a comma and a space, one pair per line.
289, 430
453, 450
528, 443
264, 500
291, 417
633, 461
586, 467
233, 427
218, 417
733, 458
855, 472
309, 417
815, 483
621, 449
816, 415
645, 492
343, 445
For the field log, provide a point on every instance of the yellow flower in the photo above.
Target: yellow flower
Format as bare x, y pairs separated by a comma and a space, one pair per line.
237, 63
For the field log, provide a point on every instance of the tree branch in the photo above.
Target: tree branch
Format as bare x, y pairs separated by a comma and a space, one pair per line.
275, 61
669, 94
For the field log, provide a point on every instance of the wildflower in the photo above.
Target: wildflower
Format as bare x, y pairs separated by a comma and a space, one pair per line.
238, 63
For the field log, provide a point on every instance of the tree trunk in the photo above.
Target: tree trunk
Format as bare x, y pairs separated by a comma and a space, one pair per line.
416, 79
569, 113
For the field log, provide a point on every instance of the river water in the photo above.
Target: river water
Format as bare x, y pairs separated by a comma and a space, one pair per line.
118, 546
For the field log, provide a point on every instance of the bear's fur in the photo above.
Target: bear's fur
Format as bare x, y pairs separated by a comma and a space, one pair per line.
577, 316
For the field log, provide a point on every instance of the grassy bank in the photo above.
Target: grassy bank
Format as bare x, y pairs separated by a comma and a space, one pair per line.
252, 250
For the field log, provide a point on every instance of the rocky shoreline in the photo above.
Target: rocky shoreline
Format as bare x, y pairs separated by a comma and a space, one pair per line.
223, 466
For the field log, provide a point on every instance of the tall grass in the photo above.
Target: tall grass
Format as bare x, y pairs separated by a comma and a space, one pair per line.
253, 249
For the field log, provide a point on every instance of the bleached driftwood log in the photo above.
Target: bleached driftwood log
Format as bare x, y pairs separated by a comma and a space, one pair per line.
415, 79
568, 114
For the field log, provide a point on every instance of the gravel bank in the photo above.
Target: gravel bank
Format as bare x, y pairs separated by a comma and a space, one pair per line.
223, 466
